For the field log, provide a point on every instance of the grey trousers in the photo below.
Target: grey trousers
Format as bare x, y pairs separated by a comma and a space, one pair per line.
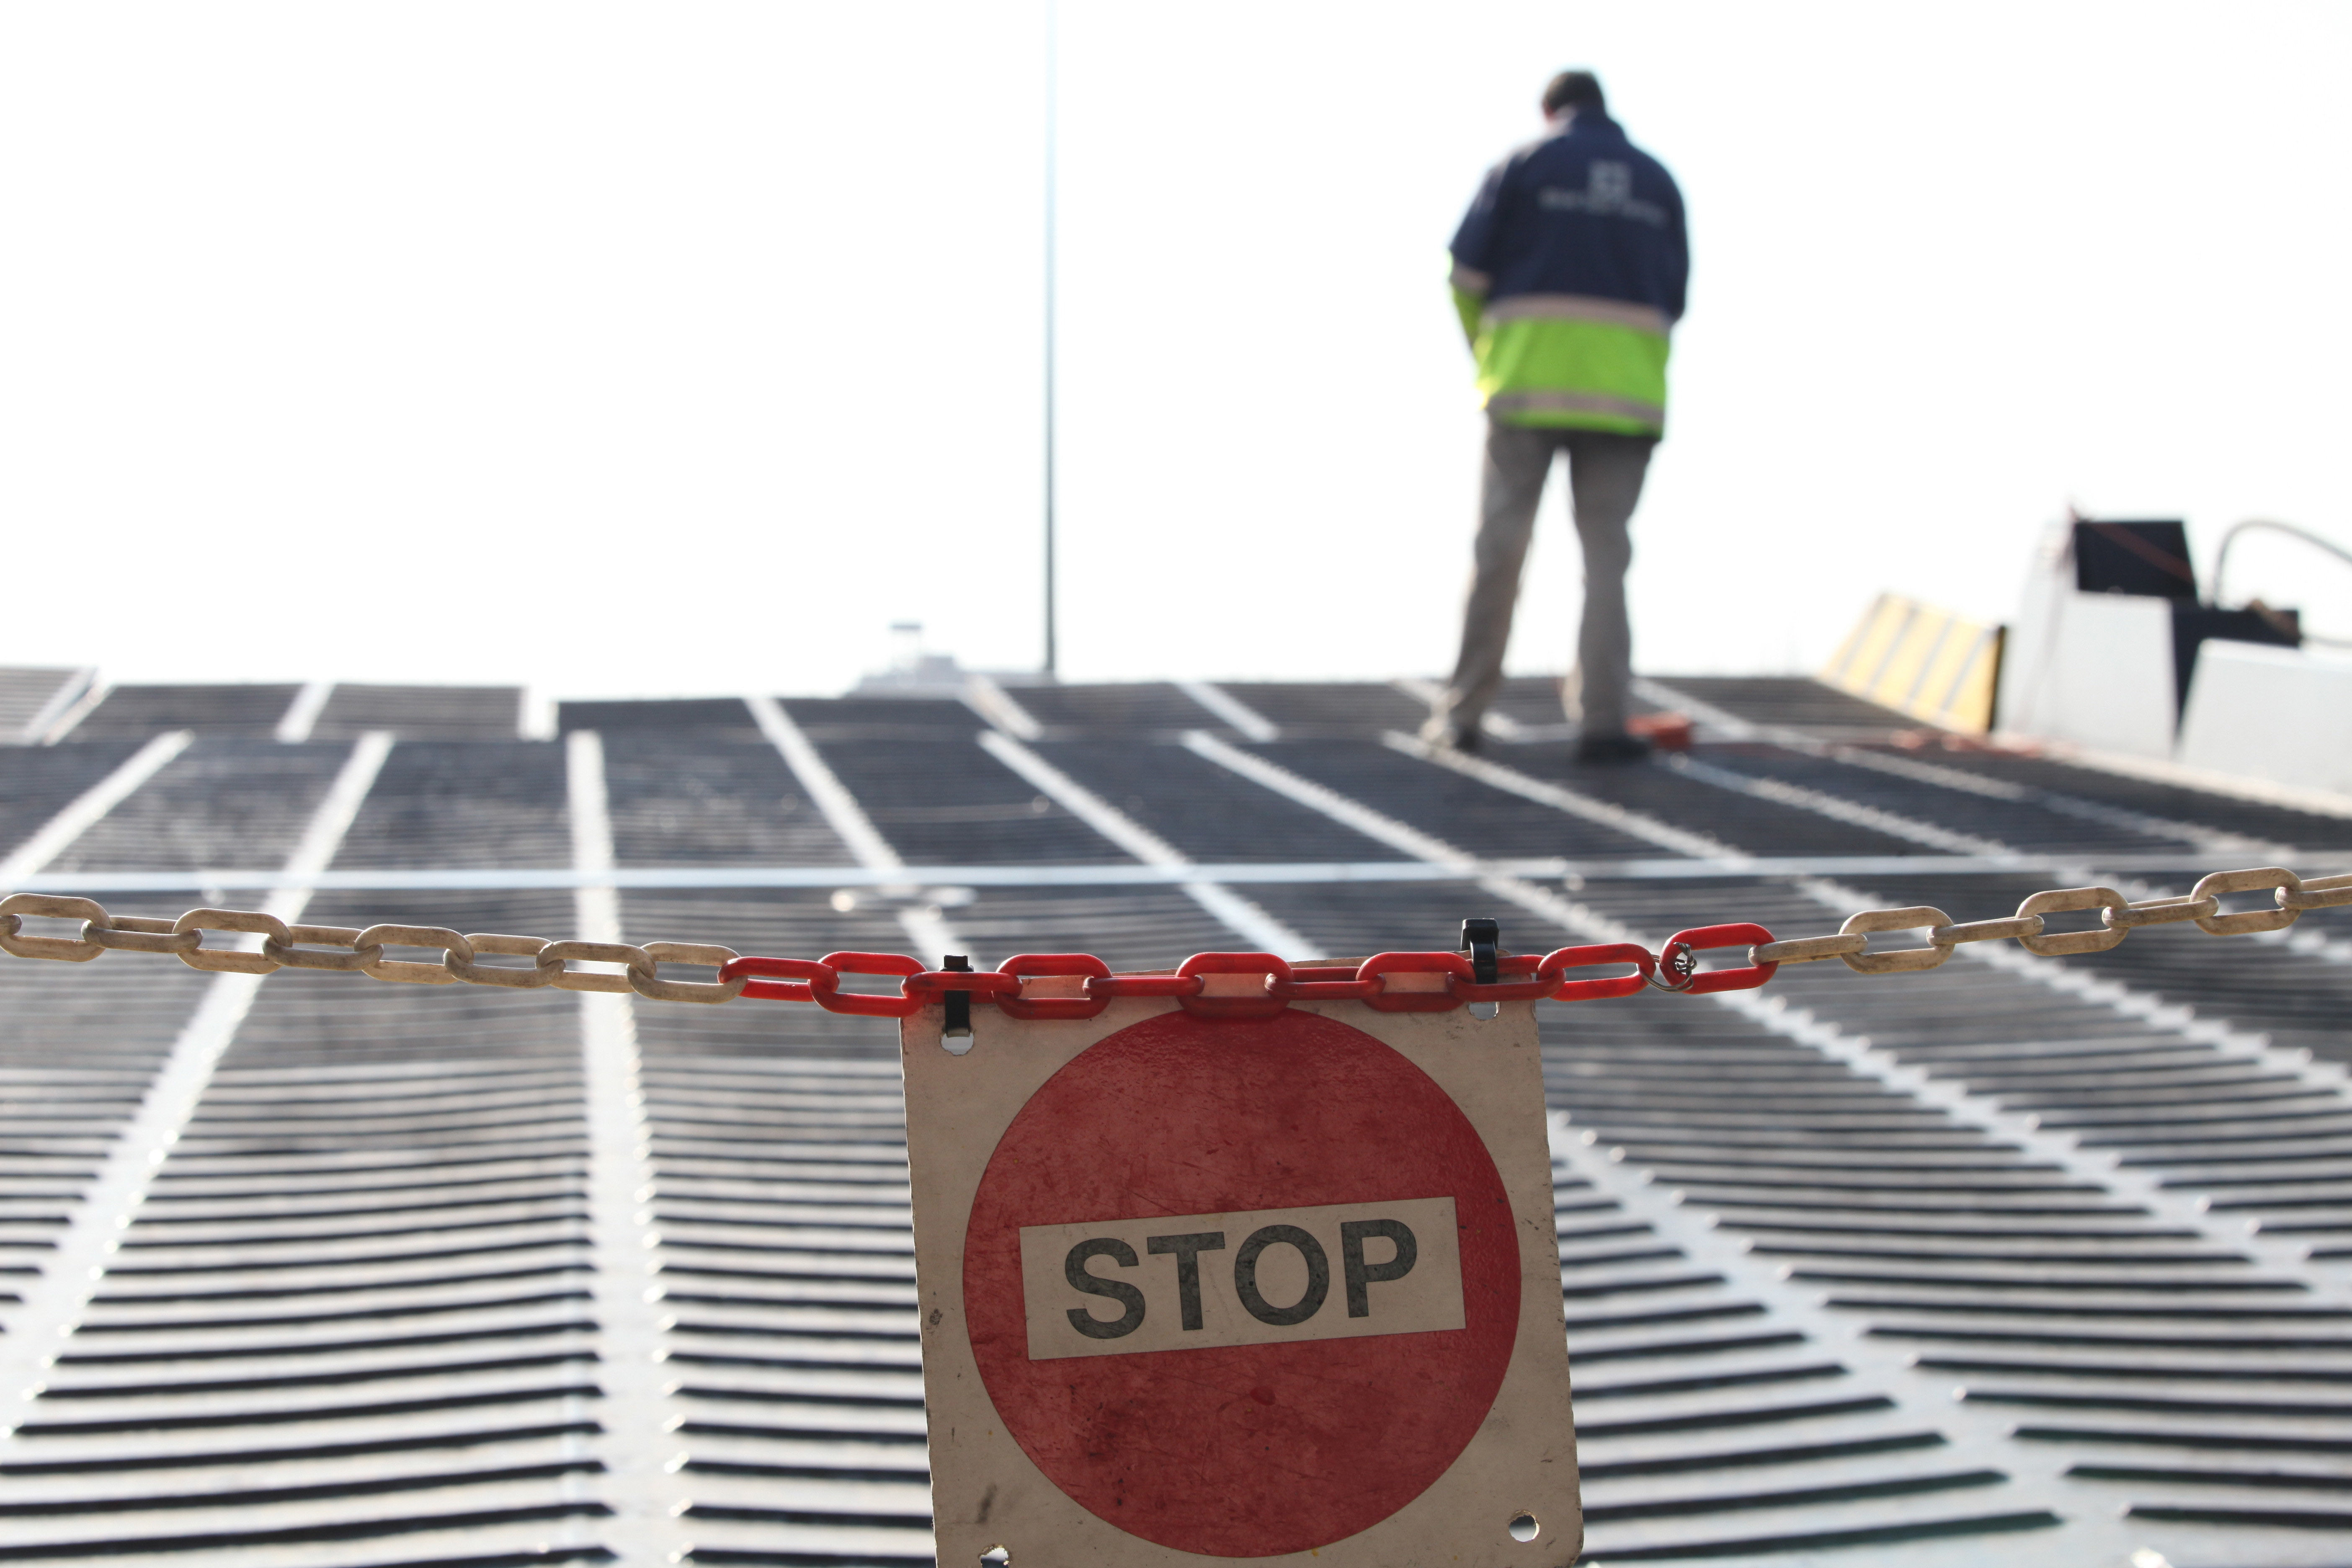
1604, 478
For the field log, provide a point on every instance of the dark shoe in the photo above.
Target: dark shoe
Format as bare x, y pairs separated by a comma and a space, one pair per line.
1620, 748
1450, 736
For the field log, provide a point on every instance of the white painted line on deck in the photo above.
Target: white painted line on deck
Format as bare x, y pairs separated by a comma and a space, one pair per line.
1965, 1107
2203, 838
639, 1445
993, 703
1575, 803
74, 713
1063, 874
1978, 1435
55, 1303
76, 684
932, 936
2257, 791
839, 807
1837, 808
1252, 724
1985, 1112
302, 713
53, 837
1237, 914
1429, 693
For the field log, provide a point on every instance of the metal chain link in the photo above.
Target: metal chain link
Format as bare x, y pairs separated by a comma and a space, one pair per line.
1078, 986
2118, 916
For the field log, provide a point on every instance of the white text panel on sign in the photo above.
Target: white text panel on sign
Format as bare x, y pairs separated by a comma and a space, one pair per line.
1263, 1277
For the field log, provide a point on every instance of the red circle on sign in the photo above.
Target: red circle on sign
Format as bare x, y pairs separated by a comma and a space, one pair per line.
1241, 1450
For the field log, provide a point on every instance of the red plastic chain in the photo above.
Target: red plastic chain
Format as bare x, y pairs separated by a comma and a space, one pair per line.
1450, 967
1555, 965
1206, 1003
1386, 982
1083, 967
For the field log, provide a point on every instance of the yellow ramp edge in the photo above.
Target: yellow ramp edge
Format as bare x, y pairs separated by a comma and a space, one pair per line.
1935, 666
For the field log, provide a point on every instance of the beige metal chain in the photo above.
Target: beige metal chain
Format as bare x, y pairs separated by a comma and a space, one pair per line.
349, 949
2291, 895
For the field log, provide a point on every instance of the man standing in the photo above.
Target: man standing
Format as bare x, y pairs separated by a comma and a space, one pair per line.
1567, 273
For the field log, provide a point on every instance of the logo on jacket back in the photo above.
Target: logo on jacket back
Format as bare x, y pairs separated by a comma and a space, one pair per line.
1608, 193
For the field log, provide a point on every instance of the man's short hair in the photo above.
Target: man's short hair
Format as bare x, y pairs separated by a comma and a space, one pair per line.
1574, 91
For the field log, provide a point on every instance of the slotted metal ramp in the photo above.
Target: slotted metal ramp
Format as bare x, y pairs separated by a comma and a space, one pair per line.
31, 700
2018, 1260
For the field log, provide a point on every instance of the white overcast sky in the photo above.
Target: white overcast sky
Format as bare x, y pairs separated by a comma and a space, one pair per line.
683, 347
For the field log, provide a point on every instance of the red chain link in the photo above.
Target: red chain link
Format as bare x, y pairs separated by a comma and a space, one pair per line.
1047, 985
1675, 959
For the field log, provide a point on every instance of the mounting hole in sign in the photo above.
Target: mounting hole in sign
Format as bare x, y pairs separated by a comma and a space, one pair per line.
1482, 1011
1524, 1527
997, 1557
956, 1045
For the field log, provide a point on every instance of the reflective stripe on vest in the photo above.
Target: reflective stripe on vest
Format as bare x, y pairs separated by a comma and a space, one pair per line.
1579, 308
1609, 413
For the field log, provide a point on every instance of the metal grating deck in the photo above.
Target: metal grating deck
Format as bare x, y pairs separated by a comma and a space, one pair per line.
2043, 1262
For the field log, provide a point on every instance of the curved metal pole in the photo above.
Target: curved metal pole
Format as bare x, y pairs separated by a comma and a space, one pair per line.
2221, 561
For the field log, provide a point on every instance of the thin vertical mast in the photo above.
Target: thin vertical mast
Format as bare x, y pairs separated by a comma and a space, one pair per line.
1052, 239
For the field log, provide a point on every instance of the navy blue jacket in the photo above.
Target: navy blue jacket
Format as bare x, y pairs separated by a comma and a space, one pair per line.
1583, 211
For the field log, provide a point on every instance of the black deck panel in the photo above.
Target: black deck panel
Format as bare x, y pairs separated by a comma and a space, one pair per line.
361, 1147
788, 1277
942, 801
2300, 1000
420, 712
221, 803
1462, 811
2025, 824
1128, 928
698, 798
1760, 1417
1791, 701
827, 719
2149, 1092
1754, 1156
1354, 921
2036, 1291
366, 1275
1205, 811
1985, 1263
25, 693
470, 804
39, 782
660, 714
777, 922
798, 923
1534, 700
787, 922
1143, 705
75, 1062
2225, 813
140, 712
1656, 790
778, 1144
1530, 700
1333, 706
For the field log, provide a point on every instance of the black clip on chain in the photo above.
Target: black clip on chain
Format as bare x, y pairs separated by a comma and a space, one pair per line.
1482, 941
959, 1002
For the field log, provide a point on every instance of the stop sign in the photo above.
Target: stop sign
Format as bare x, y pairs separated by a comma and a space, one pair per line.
1221, 1288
